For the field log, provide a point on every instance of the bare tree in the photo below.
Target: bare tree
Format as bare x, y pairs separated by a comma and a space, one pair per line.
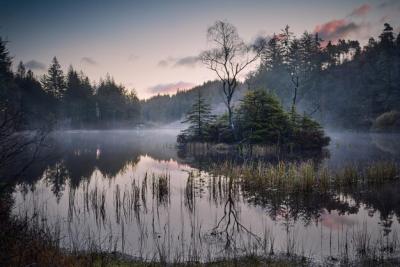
18, 150
228, 57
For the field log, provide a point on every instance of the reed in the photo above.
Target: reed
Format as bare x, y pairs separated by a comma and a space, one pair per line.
305, 176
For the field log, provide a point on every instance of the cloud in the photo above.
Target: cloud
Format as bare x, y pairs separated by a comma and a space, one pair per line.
163, 63
169, 88
133, 58
189, 61
89, 61
361, 11
35, 65
337, 29
387, 3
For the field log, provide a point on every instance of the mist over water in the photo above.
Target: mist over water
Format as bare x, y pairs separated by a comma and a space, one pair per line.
134, 192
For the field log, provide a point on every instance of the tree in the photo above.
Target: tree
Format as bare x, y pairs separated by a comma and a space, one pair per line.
261, 119
79, 100
35, 105
301, 59
115, 103
110, 99
199, 117
272, 54
17, 151
387, 37
54, 82
21, 70
133, 109
229, 57
5, 62
6, 75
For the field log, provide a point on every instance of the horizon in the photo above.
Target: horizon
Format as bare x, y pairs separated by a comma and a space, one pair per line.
128, 40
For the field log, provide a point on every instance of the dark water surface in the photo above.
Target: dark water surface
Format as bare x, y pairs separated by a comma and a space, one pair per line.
134, 192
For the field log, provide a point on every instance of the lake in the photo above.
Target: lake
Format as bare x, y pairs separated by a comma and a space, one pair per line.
134, 192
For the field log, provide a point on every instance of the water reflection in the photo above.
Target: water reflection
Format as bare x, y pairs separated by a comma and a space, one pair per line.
136, 190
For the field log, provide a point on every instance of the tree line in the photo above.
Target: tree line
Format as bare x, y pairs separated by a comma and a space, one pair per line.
67, 100
340, 84
302, 73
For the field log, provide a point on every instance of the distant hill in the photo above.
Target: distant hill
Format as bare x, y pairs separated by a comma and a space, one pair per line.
166, 108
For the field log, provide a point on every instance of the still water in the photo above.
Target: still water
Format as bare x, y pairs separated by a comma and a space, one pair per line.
134, 192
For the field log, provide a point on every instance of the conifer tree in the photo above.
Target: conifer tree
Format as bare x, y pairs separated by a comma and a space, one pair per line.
5, 68
54, 82
5, 61
9, 95
21, 70
261, 118
199, 117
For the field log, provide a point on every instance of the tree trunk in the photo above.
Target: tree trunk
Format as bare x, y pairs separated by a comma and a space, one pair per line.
230, 115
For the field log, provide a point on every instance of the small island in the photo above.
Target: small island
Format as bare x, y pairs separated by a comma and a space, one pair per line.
259, 120
259, 117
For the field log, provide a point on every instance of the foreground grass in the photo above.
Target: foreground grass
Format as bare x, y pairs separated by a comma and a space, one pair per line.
245, 261
30, 242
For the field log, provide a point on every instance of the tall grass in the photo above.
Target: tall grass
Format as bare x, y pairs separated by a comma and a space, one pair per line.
306, 176
191, 245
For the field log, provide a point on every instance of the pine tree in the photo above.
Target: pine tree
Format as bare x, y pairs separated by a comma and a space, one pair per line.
387, 37
5, 62
272, 55
9, 95
199, 117
5, 67
261, 118
54, 81
21, 70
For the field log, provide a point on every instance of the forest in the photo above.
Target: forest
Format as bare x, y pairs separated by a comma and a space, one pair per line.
341, 85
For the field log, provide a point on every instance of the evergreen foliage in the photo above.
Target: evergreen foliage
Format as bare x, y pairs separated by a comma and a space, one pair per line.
71, 101
340, 83
54, 81
199, 118
115, 103
6, 75
260, 119
79, 102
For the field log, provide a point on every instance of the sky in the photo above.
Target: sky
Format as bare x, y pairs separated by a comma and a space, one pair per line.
152, 46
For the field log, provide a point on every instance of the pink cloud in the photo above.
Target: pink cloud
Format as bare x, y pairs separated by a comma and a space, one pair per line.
336, 29
361, 10
170, 88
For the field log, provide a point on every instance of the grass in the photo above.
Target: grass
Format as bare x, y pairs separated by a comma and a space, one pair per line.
31, 242
306, 176
245, 261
